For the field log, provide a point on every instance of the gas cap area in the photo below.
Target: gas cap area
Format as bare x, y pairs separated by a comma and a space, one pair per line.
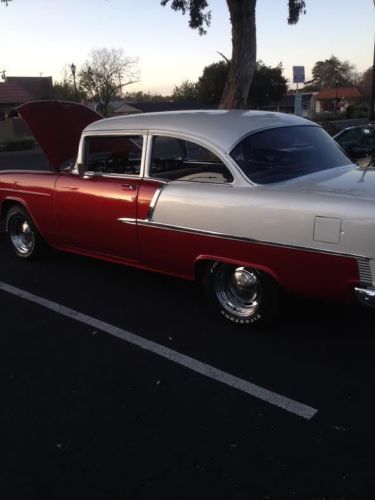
327, 230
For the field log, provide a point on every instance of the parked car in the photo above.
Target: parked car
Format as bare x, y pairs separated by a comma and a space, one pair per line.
358, 142
249, 203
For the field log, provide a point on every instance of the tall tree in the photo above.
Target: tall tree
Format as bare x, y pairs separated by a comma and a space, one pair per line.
242, 17
104, 75
332, 72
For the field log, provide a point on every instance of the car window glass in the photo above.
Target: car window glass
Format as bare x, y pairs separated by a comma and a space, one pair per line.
351, 136
279, 154
114, 155
176, 159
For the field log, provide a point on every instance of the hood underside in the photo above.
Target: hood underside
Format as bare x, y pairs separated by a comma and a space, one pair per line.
57, 127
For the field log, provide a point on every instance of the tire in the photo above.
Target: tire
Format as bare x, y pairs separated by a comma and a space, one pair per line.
242, 295
23, 237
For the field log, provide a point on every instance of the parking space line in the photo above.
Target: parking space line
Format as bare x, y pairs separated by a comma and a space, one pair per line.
275, 399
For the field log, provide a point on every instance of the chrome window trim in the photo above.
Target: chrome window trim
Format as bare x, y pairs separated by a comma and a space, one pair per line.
234, 170
81, 152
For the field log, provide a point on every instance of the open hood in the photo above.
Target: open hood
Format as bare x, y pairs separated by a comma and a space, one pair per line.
57, 126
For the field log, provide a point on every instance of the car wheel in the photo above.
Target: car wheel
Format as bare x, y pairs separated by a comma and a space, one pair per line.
240, 294
23, 237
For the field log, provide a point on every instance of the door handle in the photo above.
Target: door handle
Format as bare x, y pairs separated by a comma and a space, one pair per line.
131, 187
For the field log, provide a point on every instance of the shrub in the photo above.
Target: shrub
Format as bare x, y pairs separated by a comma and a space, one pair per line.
19, 144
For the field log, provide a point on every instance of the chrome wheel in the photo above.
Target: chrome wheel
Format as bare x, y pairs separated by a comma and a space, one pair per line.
21, 234
238, 290
240, 294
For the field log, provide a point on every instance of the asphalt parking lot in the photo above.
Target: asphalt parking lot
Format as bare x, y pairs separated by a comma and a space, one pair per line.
87, 414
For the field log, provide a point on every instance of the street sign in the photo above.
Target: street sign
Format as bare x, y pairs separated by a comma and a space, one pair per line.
298, 74
298, 104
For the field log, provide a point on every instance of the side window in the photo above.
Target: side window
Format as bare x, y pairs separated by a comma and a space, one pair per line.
352, 136
176, 159
114, 155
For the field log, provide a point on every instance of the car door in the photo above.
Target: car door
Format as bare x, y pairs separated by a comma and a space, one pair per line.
96, 212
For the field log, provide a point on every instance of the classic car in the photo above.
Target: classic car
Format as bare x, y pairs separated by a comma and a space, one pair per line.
250, 203
358, 142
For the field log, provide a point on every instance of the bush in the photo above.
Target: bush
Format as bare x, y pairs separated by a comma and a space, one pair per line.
19, 144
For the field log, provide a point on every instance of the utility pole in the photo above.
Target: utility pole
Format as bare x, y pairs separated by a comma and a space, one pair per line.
372, 102
73, 70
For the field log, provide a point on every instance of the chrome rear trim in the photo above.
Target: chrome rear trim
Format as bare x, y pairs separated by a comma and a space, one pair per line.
366, 296
364, 270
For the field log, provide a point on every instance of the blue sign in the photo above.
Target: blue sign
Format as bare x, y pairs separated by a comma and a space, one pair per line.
298, 74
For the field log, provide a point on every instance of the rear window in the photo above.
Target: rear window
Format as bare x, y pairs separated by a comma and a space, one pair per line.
279, 154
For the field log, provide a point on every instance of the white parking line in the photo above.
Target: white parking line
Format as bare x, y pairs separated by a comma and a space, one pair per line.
211, 372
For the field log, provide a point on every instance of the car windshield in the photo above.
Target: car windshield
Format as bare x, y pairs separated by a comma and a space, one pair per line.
279, 154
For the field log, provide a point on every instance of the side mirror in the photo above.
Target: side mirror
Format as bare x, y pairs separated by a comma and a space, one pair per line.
81, 169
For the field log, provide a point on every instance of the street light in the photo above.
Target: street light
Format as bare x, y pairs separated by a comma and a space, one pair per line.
73, 70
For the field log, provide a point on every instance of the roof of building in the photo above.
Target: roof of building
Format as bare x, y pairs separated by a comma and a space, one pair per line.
12, 93
39, 86
339, 93
218, 127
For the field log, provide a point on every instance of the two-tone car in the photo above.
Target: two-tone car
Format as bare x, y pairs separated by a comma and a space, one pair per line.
249, 203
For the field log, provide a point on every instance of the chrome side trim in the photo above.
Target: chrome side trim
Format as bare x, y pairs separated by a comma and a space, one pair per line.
153, 202
364, 270
214, 234
365, 296
128, 220
22, 191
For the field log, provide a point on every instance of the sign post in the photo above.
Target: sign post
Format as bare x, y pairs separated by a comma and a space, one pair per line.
298, 77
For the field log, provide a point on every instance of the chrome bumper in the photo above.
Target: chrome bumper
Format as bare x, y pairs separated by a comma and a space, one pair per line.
365, 295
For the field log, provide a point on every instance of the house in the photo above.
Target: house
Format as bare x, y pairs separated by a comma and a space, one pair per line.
337, 99
40, 87
286, 104
17, 90
12, 95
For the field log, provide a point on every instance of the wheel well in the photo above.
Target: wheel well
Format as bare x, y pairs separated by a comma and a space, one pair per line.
202, 264
200, 268
6, 207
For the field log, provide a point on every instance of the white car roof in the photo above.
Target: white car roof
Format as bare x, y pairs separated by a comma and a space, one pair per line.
219, 127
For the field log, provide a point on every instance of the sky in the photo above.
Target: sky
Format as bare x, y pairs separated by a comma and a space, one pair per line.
43, 37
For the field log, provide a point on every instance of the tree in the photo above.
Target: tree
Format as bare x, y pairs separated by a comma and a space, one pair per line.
211, 84
242, 17
104, 75
332, 72
268, 85
140, 96
365, 82
187, 91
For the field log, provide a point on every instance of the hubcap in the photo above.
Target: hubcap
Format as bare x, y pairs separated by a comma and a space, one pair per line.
21, 234
238, 290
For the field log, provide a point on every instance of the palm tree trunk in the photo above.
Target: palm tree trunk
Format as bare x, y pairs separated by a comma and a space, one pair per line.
242, 16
